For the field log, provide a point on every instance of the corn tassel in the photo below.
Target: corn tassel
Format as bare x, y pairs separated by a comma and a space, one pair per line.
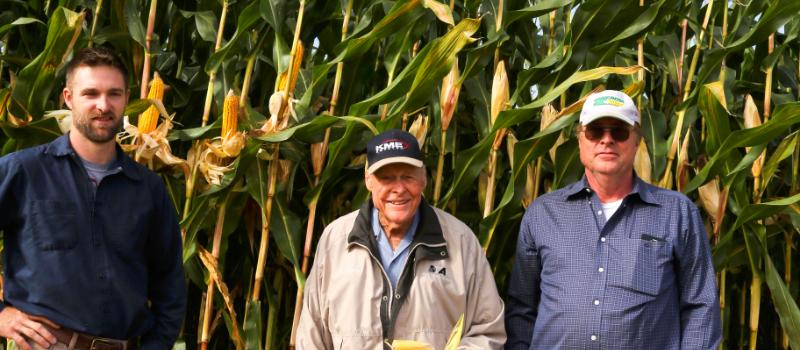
149, 119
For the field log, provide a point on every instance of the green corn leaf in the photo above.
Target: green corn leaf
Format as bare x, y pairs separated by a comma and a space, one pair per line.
37, 79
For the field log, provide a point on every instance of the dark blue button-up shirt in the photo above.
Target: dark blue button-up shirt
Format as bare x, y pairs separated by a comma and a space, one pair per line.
643, 279
91, 261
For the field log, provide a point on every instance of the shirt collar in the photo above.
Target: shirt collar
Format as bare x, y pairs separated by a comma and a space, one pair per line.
61, 147
377, 229
641, 190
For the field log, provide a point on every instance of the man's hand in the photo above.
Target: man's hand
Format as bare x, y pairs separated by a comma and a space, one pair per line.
21, 327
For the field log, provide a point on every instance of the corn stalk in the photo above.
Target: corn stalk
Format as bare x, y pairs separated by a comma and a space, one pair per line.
448, 100
151, 20
666, 181
212, 76
500, 97
97, 9
209, 298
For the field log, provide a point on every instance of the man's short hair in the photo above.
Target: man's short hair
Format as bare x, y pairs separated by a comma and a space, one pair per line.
95, 57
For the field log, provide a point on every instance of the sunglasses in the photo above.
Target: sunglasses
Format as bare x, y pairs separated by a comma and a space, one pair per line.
596, 132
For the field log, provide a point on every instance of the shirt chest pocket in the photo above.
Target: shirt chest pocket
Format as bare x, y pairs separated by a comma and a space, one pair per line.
639, 265
54, 224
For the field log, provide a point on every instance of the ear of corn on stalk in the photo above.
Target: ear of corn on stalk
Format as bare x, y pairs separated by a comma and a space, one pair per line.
500, 96
149, 119
419, 128
449, 96
230, 114
642, 162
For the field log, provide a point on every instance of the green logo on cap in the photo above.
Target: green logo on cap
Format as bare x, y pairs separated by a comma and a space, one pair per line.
609, 101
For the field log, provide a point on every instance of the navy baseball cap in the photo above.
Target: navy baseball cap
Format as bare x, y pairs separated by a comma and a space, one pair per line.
392, 146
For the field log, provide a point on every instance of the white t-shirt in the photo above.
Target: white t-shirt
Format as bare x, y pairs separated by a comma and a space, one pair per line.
610, 208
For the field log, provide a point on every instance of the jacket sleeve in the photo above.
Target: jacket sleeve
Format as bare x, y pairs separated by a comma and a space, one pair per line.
699, 304
483, 321
313, 332
167, 286
524, 289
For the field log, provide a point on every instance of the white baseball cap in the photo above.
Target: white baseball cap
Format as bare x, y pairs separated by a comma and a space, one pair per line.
609, 103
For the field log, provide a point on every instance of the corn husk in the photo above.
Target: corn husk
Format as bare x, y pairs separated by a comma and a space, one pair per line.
500, 97
419, 128
752, 119
642, 163
549, 115
150, 148
217, 155
276, 122
710, 196
530, 185
511, 142
448, 98
682, 173
318, 153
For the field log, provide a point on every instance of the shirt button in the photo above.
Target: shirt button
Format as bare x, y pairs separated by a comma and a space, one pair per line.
602, 239
397, 296
593, 337
600, 269
597, 302
599, 212
385, 298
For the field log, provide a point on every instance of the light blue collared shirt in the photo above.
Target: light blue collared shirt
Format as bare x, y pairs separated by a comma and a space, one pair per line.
393, 261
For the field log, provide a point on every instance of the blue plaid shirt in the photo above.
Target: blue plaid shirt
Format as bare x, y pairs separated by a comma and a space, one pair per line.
642, 279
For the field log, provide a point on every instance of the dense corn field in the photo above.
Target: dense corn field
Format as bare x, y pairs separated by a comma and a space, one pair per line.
256, 115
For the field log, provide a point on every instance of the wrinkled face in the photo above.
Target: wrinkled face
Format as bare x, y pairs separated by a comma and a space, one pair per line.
605, 155
397, 192
97, 97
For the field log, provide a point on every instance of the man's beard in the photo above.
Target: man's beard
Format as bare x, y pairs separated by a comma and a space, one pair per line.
84, 126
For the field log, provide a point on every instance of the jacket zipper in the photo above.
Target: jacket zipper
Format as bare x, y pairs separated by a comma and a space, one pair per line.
385, 275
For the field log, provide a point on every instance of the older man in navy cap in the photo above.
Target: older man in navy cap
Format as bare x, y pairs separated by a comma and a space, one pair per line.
612, 262
398, 268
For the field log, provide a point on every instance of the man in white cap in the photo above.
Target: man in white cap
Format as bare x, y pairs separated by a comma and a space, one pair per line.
398, 268
611, 262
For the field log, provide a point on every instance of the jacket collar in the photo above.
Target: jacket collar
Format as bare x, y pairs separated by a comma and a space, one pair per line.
429, 231
641, 190
61, 147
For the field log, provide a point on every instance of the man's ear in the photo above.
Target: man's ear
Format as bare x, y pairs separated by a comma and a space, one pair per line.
67, 96
368, 182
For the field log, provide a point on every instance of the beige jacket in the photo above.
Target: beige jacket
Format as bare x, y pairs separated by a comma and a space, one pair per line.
350, 304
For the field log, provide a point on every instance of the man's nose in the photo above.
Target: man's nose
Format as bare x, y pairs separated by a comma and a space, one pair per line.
102, 104
607, 138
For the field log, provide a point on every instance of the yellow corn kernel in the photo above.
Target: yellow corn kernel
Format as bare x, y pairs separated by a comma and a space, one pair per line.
149, 119
230, 114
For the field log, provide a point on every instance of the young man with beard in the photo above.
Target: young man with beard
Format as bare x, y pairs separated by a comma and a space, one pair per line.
92, 242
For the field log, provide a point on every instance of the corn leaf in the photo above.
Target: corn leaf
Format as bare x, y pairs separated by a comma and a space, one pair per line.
785, 304
785, 116
37, 79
